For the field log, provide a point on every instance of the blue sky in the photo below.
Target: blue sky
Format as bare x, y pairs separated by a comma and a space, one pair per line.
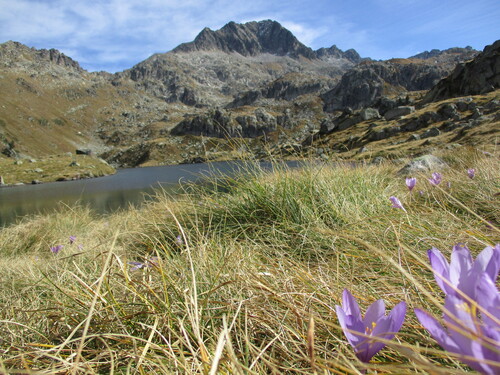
113, 35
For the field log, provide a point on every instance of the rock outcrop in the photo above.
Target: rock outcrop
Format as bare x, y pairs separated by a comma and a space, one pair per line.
336, 53
221, 124
240, 63
15, 55
249, 39
478, 76
364, 84
450, 55
288, 87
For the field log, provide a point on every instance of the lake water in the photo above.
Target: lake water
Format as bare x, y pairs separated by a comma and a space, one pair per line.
107, 194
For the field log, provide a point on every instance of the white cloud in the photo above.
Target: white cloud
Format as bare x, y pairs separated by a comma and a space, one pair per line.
307, 35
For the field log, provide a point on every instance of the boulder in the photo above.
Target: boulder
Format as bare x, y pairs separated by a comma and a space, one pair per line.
369, 114
83, 152
422, 164
327, 126
398, 112
432, 132
449, 111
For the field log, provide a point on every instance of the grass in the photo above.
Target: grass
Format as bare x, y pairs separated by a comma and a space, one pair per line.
53, 168
243, 278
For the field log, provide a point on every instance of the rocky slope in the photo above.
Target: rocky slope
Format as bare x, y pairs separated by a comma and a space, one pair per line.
479, 76
461, 109
364, 84
220, 65
50, 105
242, 90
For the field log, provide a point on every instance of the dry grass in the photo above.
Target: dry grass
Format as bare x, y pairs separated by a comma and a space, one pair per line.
53, 168
242, 280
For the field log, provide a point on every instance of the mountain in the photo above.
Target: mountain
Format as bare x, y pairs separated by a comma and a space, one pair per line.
252, 80
249, 39
220, 65
367, 82
454, 53
50, 105
478, 76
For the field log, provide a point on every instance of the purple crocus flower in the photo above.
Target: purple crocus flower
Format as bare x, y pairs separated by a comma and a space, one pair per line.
474, 337
72, 240
436, 178
179, 241
136, 266
396, 203
463, 273
471, 172
56, 249
472, 307
411, 182
361, 333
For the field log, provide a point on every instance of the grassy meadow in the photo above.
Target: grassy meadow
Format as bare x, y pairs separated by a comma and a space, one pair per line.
242, 277
53, 168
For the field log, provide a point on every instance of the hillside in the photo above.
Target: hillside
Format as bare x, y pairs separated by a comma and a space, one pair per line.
244, 90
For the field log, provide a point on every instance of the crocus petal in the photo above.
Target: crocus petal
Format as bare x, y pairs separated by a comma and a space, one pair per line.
492, 266
350, 306
374, 313
135, 265
370, 346
488, 298
441, 269
397, 316
460, 263
350, 325
411, 182
461, 322
437, 331
396, 203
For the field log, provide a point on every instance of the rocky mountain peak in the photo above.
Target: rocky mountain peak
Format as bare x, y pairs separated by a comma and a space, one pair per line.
450, 51
249, 39
15, 53
336, 53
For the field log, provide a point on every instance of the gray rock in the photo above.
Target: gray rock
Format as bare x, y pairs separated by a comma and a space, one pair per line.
449, 111
369, 114
83, 152
74, 164
477, 113
327, 126
377, 135
378, 160
36, 182
398, 112
432, 132
413, 137
423, 164
463, 104
2, 182
479, 76
38, 170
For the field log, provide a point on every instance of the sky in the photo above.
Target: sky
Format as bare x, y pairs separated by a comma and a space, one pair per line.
114, 35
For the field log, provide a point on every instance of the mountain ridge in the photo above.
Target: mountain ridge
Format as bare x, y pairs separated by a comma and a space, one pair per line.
252, 80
